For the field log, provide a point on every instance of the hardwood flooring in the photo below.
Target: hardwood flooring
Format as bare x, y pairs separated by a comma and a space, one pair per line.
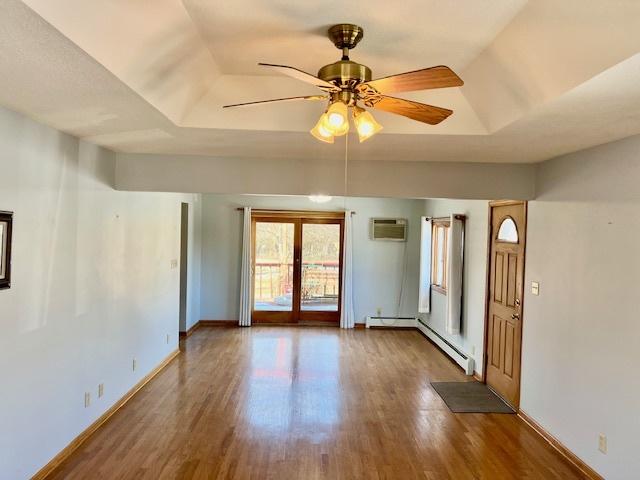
307, 403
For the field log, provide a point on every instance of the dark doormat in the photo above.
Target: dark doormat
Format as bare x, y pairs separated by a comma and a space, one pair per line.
470, 397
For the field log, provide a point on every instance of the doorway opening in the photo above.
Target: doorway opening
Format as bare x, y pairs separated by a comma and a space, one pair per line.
184, 249
297, 267
505, 282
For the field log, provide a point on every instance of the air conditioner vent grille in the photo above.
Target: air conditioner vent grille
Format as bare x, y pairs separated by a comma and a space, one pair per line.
393, 229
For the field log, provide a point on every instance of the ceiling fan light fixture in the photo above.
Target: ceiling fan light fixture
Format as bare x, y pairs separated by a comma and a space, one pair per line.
321, 132
337, 117
366, 125
338, 132
320, 198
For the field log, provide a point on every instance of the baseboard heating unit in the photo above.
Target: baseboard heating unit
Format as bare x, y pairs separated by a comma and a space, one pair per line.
466, 362
391, 322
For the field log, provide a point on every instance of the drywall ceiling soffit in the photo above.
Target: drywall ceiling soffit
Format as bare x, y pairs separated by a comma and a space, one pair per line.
153, 47
260, 176
532, 70
546, 51
591, 114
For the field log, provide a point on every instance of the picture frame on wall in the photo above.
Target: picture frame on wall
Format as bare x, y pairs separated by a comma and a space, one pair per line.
6, 225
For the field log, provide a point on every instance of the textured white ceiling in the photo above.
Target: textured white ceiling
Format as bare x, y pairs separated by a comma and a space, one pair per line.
398, 36
155, 82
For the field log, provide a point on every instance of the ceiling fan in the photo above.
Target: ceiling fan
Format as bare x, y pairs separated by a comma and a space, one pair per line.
346, 84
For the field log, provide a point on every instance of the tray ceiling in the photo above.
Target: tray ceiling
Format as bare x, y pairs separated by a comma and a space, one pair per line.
541, 78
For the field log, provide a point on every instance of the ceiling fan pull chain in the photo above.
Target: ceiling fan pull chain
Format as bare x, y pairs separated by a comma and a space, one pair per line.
346, 157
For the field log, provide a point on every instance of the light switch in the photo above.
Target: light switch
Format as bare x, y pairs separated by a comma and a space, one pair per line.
602, 443
174, 263
535, 288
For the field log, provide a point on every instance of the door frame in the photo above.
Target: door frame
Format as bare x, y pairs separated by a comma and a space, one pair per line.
296, 316
319, 316
274, 316
490, 234
184, 266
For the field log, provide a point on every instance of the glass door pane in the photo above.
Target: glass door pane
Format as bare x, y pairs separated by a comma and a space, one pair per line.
273, 268
320, 288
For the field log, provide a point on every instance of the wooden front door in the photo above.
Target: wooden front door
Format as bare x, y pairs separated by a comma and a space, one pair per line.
504, 312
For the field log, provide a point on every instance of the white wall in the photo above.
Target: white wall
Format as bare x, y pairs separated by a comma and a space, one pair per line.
471, 338
367, 178
194, 260
378, 266
582, 333
92, 287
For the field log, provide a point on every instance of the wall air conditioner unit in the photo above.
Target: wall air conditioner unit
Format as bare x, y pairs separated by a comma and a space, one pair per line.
390, 229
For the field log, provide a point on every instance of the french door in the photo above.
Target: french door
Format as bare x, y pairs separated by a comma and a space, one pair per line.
297, 266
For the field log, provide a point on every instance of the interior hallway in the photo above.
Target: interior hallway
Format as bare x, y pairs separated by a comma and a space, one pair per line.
305, 403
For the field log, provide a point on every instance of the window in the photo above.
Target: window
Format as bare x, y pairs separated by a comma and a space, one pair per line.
508, 232
439, 246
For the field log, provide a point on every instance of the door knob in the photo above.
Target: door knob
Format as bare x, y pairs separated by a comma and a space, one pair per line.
515, 316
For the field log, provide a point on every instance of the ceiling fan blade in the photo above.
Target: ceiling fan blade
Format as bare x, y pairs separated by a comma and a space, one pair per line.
288, 99
302, 76
414, 110
427, 78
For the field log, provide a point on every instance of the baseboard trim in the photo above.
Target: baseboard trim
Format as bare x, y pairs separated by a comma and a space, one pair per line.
45, 471
585, 469
206, 324
188, 333
218, 323
390, 322
467, 362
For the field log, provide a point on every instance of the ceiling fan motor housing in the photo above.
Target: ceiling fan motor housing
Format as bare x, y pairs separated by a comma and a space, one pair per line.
345, 73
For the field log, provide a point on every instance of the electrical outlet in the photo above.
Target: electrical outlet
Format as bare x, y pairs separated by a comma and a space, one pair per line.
602, 443
174, 263
100, 390
379, 311
134, 364
535, 288
87, 399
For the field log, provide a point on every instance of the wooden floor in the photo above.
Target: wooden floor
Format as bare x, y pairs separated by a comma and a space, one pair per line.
306, 403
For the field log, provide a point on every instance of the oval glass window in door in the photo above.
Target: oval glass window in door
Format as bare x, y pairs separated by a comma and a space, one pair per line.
508, 232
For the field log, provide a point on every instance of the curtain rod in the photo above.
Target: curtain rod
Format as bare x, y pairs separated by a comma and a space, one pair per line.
457, 217
240, 209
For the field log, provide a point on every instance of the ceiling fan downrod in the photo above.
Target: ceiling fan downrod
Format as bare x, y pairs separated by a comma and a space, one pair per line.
347, 74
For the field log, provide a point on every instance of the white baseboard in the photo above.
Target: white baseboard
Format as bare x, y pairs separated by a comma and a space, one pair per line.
466, 362
394, 322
